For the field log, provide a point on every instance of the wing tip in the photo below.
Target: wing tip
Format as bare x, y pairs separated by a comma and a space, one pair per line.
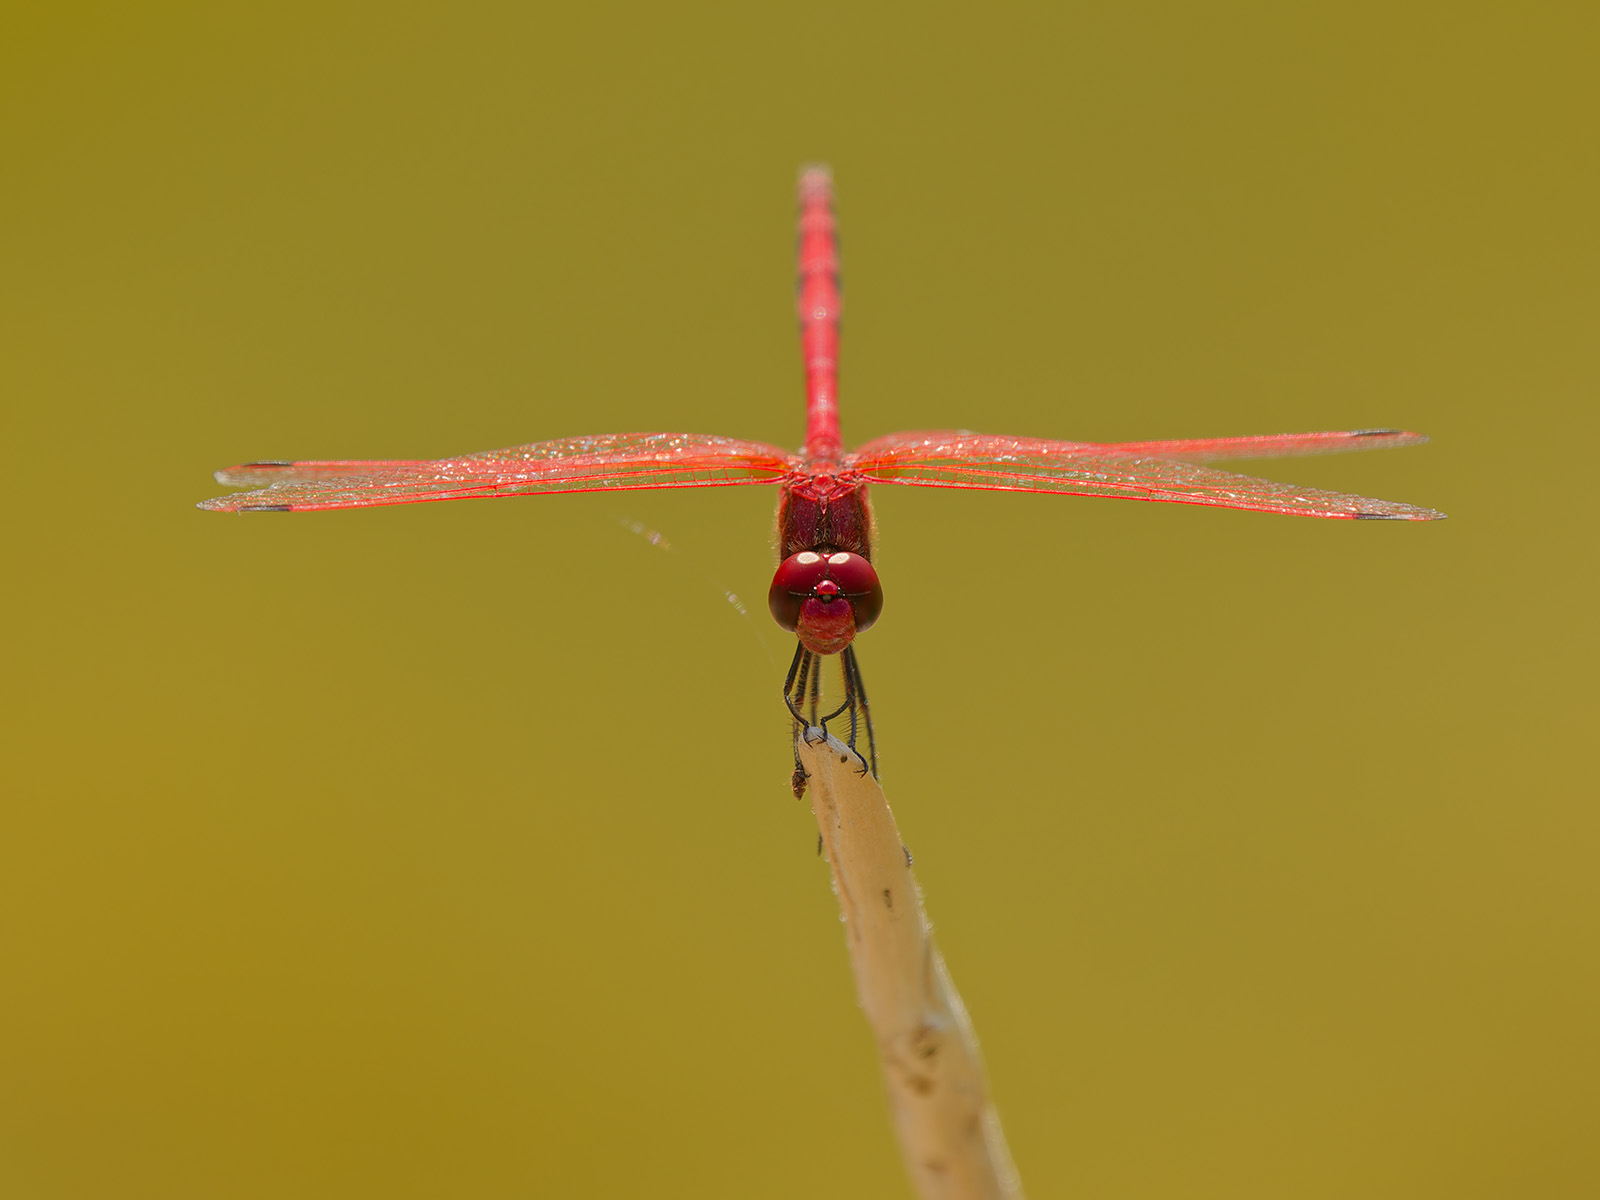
1400, 437
221, 505
1419, 514
248, 473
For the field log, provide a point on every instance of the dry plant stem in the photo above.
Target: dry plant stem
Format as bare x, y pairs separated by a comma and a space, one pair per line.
948, 1131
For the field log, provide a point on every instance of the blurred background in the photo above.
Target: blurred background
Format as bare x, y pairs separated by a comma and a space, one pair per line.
449, 850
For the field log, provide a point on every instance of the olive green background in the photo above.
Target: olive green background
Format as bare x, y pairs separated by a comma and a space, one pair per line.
448, 851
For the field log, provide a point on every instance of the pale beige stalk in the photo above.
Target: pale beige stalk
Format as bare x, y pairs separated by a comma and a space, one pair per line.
949, 1134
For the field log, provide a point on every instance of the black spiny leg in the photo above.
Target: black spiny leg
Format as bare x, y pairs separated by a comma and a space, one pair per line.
858, 689
797, 665
802, 689
848, 705
816, 686
794, 690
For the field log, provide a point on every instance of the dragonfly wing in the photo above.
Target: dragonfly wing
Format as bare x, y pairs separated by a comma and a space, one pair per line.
915, 440
607, 462
969, 460
1272, 445
1196, 450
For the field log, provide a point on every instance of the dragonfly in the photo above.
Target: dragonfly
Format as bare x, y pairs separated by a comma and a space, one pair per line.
825, 589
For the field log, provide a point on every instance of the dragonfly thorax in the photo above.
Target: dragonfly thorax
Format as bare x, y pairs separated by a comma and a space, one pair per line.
825, 596
825, 510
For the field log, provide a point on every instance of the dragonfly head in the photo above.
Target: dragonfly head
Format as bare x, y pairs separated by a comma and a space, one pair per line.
826, 598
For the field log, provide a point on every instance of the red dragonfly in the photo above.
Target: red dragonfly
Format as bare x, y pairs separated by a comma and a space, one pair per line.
825, 589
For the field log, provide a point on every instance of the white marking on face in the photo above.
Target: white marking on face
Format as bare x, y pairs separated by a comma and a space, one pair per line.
807, 557
838, 559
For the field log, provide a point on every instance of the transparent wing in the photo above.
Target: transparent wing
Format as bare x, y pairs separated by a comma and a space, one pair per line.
1127, 472
605, 462
1272, 445
1199, 450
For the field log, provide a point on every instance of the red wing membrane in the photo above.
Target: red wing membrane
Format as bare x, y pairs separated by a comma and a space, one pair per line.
1129, 471
1199, 450
607, 462
1272, 445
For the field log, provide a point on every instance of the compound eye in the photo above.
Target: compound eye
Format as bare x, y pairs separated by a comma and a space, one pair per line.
791, 584
858, 583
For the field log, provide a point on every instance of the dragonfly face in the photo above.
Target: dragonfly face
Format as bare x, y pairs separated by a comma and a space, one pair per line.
825, 597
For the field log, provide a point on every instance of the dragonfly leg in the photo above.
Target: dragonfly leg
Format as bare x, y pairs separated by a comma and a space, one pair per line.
850, 690
816, 687
849, 705
799, 669
858, 689
804, 674
802, 690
